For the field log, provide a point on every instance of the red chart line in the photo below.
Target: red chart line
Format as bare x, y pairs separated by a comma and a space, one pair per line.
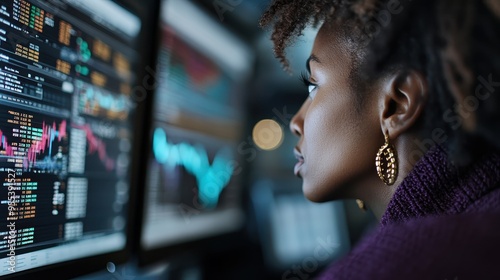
38, 146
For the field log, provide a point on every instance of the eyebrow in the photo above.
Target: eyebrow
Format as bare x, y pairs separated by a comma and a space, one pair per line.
311, 58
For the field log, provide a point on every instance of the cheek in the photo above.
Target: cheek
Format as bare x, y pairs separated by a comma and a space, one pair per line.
329, 130
339, 142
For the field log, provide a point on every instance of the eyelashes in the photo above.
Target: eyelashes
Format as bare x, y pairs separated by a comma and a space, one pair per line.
304, 78
311, 88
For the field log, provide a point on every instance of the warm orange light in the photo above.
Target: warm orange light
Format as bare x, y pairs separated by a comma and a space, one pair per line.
268, 135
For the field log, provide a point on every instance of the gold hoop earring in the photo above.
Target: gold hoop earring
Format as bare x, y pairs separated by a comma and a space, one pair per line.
386, 162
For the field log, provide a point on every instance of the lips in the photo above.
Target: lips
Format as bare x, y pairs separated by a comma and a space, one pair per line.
300, 162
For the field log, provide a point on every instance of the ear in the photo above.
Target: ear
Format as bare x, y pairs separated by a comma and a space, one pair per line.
404, 98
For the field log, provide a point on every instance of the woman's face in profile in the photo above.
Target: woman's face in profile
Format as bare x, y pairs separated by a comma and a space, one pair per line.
339, 137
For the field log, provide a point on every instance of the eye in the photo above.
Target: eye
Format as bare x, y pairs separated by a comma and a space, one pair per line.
311, 88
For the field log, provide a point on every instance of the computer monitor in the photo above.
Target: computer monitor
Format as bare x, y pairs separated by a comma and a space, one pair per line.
193, 181
295, 232
68, 70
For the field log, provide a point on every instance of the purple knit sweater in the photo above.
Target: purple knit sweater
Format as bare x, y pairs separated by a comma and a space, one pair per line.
440, 224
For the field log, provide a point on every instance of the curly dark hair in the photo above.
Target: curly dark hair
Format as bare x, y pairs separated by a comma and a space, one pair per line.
455, 44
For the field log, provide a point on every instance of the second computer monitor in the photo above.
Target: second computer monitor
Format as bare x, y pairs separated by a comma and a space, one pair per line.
193, 188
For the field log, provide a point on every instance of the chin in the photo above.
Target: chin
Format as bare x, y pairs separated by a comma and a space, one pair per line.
320, 194
315, 194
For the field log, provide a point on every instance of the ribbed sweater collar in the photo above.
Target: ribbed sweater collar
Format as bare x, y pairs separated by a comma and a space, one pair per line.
435, 187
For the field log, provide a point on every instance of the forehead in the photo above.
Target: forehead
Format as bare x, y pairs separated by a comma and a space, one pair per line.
333, 49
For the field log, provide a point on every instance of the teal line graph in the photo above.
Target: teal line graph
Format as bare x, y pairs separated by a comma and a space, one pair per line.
211, 178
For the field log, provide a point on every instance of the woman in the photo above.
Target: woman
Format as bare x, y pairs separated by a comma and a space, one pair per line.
403, 114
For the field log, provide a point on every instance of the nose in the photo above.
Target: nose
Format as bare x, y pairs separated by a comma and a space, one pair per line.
297, 122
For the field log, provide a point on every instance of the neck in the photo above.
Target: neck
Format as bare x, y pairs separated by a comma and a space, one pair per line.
377, 197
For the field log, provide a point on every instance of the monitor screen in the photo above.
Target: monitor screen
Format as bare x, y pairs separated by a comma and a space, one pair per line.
67, 70
193, 185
